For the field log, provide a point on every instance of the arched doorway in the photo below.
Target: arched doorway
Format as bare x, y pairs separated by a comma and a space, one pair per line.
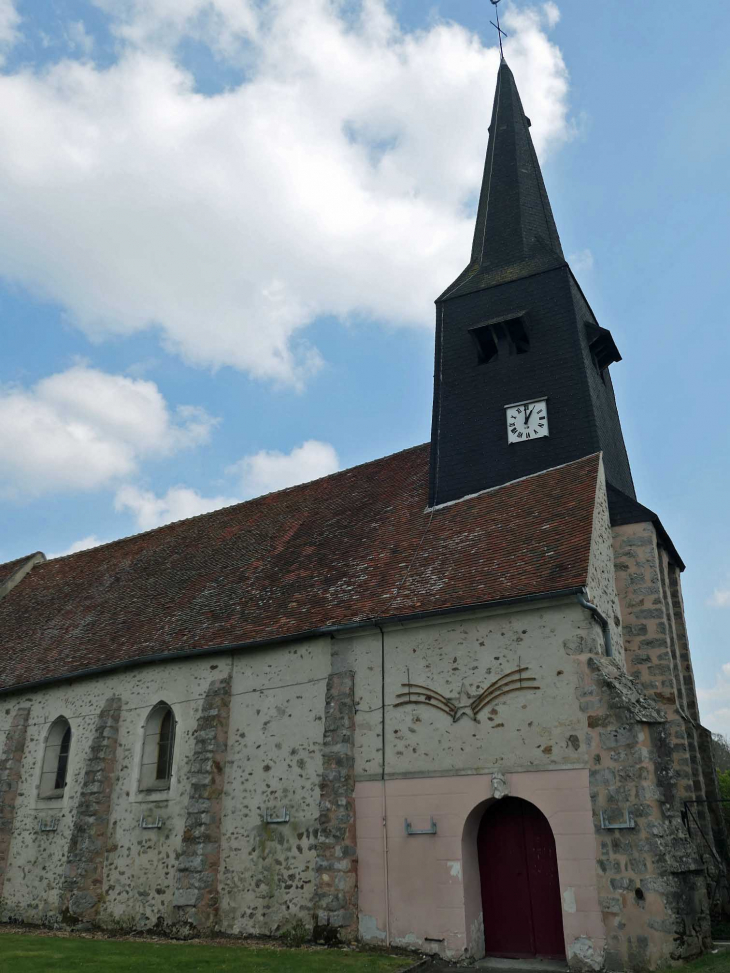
518, 868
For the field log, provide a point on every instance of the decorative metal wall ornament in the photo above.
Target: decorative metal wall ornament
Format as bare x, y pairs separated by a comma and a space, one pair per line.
466, 704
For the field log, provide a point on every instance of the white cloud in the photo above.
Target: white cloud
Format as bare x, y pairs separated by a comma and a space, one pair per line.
9, 21
718, 721
552, 13
270, 470
337, 179
716, 703
83, 428
721, 689
581, 262
79, 38
177, 504
222, 24
82, 545
263, 472
720, 598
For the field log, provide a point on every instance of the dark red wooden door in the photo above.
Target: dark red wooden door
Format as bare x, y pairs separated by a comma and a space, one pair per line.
520, 889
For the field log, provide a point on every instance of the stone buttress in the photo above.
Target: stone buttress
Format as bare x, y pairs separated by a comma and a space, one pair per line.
196, 899
10, 764
336, 893
83, 880
645, 764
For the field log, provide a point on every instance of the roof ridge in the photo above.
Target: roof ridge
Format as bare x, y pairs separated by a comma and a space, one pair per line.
17, 560
240, 503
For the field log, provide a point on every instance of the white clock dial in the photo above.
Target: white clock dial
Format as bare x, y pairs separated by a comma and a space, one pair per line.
525, 421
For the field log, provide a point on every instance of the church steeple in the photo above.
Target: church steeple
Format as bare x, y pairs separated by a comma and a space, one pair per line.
515, 232
515, 330
514, 216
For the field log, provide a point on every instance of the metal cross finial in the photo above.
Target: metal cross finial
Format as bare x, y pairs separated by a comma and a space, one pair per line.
500, 32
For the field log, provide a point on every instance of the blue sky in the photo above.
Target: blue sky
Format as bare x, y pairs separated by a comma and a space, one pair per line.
225, 223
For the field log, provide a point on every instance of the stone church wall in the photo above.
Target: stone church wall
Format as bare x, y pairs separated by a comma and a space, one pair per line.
249, 747
651, 874
442, 770
296, 768
149, 859
601, 582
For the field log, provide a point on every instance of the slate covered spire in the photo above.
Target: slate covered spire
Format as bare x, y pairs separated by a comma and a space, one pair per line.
515, 328
515, 233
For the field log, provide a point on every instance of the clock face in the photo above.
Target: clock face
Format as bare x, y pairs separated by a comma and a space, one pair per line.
527, 421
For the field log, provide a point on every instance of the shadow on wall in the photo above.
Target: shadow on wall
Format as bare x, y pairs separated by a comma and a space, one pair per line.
473, 916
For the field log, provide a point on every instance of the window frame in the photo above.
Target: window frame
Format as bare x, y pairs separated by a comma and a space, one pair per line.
151, 758
56, 760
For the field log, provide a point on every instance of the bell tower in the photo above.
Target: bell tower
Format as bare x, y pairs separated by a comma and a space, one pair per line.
521, 379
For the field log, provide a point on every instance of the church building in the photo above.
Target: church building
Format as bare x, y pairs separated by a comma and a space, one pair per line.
443, 700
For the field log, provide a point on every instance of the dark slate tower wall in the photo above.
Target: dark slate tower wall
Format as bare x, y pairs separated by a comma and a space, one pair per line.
603, 401
517, 270
514, 209
470, 449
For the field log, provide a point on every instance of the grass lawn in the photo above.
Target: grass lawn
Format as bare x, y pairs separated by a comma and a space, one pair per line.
22, 953
719, 963
55, 954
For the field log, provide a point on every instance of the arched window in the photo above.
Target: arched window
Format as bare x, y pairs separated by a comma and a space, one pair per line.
158, 748
55, 759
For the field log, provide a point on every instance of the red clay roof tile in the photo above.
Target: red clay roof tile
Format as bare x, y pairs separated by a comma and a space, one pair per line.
8, 569
334, 551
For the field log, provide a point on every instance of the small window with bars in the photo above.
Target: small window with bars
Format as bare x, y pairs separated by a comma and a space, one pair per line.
54, 773
158, 749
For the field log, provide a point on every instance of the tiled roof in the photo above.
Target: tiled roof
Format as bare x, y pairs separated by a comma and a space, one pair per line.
325, 553
8, 569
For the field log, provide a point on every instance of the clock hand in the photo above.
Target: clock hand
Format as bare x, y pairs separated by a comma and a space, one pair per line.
528, 414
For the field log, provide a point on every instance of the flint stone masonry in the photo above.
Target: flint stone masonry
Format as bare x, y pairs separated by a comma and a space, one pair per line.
10, 765
196, 900
641, 764
634, 773
649, 586
336, 892
83, 878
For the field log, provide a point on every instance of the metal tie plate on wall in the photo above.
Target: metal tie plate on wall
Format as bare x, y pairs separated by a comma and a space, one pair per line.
272, 817
410, 830
628, 823
146, 826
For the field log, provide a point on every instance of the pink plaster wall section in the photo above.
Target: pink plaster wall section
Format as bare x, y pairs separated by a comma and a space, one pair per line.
434, 894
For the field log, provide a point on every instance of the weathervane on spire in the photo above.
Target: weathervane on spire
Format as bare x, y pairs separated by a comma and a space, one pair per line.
500, 32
